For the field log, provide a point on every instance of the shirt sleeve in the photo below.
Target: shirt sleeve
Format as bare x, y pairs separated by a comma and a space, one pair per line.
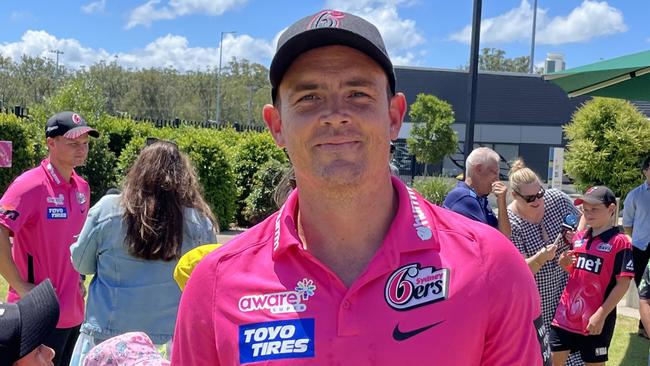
194, 336
18, 204
623, 263
629, 209
84, 251
469, 207
515, 333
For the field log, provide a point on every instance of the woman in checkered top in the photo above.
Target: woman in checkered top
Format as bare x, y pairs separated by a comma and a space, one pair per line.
536, 217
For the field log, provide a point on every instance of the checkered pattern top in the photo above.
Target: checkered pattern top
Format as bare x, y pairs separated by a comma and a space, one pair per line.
529, 238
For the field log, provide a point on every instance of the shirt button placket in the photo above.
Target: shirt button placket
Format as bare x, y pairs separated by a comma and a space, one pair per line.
347, 320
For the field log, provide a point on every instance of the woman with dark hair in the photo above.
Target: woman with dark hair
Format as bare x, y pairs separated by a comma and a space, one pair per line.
132, 242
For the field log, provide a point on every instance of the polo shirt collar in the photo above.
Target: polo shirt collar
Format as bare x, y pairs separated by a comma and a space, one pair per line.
646, 184
54, 175
412, 227
605, 236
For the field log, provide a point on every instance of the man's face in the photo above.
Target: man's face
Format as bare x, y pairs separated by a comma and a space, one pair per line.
335, 118
68, 152
488, 173
646, 172
40, 356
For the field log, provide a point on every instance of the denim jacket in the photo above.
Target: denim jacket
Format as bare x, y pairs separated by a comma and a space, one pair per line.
128, 293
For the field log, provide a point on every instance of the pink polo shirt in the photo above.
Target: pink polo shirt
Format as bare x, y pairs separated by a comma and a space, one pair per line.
442, 289
44, 213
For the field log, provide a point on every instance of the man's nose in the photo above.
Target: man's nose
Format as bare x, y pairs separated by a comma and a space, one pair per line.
336, 113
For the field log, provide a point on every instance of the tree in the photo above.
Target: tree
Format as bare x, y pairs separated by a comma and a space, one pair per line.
494, 59
608, 140
432, 137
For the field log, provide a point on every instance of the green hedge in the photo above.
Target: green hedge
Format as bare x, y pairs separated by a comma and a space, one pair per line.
434, 189
260, 203
226, 161
252, 152
24, 153
99, 169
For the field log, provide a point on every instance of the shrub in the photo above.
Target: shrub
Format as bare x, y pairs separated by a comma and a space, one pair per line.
99, 169
24, 154
434, 189
608, 140
260, 203
120, 131
253, 151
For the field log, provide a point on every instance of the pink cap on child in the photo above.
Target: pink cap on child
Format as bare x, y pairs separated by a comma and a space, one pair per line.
128, 349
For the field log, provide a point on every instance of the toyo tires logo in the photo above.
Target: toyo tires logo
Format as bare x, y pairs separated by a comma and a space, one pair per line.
411, 286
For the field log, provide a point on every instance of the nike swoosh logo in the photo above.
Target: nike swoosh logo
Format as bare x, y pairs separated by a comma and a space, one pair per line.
402, 336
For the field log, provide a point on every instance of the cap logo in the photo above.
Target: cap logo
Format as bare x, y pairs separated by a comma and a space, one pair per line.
326, 19
76, 118
591, 190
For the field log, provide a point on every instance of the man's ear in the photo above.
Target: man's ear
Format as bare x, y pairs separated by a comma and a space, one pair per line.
396, 111
273, 121
49, 142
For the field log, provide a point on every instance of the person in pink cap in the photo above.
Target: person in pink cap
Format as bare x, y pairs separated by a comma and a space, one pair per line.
43, 210
355, 268
128, 349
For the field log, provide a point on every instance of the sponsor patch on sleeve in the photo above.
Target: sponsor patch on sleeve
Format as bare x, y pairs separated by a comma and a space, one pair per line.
9, 213
57, 213
275, 340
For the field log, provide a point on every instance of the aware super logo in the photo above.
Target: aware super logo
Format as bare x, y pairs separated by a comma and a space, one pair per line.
280, 302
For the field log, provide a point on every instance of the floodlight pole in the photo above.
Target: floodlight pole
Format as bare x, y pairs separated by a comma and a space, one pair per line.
532, 43
473, 79
219, 75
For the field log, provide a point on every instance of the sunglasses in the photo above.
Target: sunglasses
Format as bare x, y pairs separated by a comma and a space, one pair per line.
531, 198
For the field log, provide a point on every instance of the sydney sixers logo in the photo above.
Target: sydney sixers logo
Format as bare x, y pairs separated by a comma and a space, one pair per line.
76, 118
326, 19
411, 286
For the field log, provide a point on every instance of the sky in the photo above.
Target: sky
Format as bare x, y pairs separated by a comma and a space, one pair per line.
186, 34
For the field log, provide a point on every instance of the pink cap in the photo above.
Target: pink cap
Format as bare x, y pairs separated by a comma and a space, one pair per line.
128, 349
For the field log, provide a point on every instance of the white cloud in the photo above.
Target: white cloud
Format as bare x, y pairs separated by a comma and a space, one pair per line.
94, 7
149, 12
589, 20
40, 43
168, 51
400, 35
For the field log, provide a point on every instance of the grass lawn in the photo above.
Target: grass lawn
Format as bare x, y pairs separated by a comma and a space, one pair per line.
627, 348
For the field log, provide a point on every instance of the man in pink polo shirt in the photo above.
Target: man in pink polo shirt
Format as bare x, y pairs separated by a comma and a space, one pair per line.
43, 210
355, 268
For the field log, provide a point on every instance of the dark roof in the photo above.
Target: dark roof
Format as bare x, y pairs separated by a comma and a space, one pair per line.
503, 98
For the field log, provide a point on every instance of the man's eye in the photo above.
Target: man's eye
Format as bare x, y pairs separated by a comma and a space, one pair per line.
359, 94
307, 97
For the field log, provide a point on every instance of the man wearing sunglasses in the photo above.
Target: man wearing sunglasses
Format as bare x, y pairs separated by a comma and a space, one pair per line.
469, 198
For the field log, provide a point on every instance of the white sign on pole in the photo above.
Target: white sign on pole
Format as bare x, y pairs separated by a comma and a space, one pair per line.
556, 167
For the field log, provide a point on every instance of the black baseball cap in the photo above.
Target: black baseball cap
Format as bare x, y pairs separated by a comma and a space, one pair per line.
69, 125
328, 28
596, 195
27, 323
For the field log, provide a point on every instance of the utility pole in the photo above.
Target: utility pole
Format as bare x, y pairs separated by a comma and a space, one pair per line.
57, 52
219, 76
532, 43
